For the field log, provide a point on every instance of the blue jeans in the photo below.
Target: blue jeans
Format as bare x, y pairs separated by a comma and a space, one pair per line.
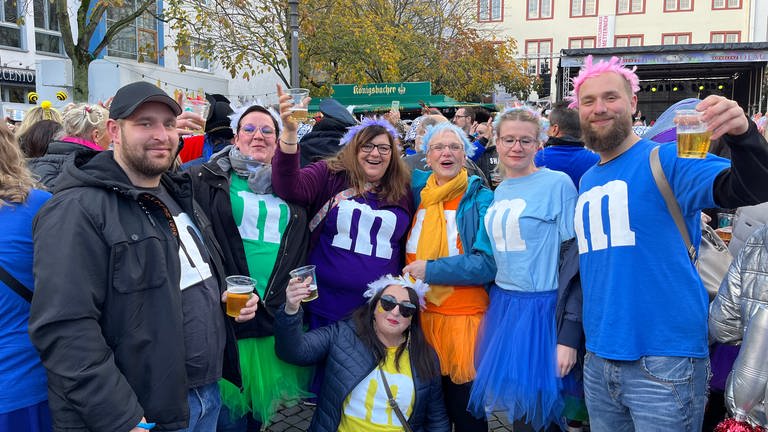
204, 406
646, 395
245, 423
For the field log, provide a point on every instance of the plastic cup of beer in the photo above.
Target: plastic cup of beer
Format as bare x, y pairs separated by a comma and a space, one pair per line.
693, 138
239, 290
725, 233
299, 110
198, 106
303, 273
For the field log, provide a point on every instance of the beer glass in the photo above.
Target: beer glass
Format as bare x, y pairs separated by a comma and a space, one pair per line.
299, 109
239, 290
198, 106
692, 135
303, 273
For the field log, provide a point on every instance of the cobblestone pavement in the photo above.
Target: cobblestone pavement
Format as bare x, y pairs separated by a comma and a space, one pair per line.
296, 419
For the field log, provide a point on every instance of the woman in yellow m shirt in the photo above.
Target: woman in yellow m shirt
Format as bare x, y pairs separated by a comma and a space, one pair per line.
381, 350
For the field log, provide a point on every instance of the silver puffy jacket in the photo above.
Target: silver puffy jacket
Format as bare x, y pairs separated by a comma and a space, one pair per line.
739, 314
744, 288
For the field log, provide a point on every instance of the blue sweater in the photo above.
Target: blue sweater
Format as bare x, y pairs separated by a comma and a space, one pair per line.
22, 376
566, 155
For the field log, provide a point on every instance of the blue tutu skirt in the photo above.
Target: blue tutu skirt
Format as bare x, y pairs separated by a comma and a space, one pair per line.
516, 359
34, 418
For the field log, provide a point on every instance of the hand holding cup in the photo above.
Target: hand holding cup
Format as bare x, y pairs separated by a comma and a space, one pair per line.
189, 123
241, 302
293, 106
299, 289
723, 116
200, 107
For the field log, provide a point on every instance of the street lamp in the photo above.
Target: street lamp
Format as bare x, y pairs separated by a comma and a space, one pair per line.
293, 14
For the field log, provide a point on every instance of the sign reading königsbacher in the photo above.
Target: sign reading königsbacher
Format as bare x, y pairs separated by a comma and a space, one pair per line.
382, 92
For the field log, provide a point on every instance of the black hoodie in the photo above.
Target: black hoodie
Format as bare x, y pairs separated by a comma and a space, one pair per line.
107, 314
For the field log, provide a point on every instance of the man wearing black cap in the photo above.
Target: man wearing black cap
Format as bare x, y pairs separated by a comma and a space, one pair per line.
128, 320
323, 141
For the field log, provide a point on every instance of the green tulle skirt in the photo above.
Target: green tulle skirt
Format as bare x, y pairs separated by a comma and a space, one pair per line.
268, 382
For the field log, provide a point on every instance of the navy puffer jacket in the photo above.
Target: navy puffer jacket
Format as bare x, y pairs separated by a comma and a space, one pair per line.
347, 362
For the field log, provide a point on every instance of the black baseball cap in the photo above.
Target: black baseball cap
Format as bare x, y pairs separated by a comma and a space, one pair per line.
131, 96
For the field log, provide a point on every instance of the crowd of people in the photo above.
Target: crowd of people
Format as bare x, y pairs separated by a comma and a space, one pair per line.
512, 263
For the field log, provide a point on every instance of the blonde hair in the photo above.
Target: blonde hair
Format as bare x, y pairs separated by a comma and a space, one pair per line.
522, 114
80, 120
15, 178
34, 115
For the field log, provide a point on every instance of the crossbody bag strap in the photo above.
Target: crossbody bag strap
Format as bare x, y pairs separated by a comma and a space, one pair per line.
393, 403
333, 202
672, 205
15, 285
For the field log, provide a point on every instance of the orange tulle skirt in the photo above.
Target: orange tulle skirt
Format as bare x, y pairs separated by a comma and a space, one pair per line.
453, 337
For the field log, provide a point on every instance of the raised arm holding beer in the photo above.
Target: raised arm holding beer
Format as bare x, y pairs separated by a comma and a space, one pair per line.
645, 308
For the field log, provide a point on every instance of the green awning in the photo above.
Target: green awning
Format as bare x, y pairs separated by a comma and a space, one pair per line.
437, 101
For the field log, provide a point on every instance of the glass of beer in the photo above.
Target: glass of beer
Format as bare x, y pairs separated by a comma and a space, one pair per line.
239, 290
198, 106
725, 233
692, 135
299, 111
303, 273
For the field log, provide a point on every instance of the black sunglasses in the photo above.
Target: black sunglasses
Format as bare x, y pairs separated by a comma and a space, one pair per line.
388, 303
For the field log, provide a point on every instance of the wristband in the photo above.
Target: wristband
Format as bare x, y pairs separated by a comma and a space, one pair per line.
147, 426
288, 142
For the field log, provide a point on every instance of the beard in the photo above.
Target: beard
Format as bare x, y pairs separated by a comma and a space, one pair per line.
610, 139
136, 157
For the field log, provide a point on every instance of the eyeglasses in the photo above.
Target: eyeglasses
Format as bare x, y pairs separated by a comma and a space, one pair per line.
388, 302
250, 129
526, 143
452, 147
384, 149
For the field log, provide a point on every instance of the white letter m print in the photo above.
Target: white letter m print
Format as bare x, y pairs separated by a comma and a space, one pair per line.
618, 215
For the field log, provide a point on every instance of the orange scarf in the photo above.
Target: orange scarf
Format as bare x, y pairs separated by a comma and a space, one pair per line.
434, 245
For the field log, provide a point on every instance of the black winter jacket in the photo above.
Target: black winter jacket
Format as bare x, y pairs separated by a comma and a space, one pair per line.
48, 166
568, 313
347, 361
211, 187
107, 314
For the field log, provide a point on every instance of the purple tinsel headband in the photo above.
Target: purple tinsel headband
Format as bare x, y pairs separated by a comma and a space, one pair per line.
367, 122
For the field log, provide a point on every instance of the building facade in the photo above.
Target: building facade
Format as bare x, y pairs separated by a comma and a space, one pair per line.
544, 27
32, 59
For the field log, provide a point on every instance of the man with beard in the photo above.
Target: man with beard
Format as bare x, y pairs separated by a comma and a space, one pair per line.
645, 308
465, 119
128, 319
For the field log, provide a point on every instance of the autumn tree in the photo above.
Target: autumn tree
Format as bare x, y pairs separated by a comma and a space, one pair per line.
354, 41
78, 40
246, 37
362, 41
